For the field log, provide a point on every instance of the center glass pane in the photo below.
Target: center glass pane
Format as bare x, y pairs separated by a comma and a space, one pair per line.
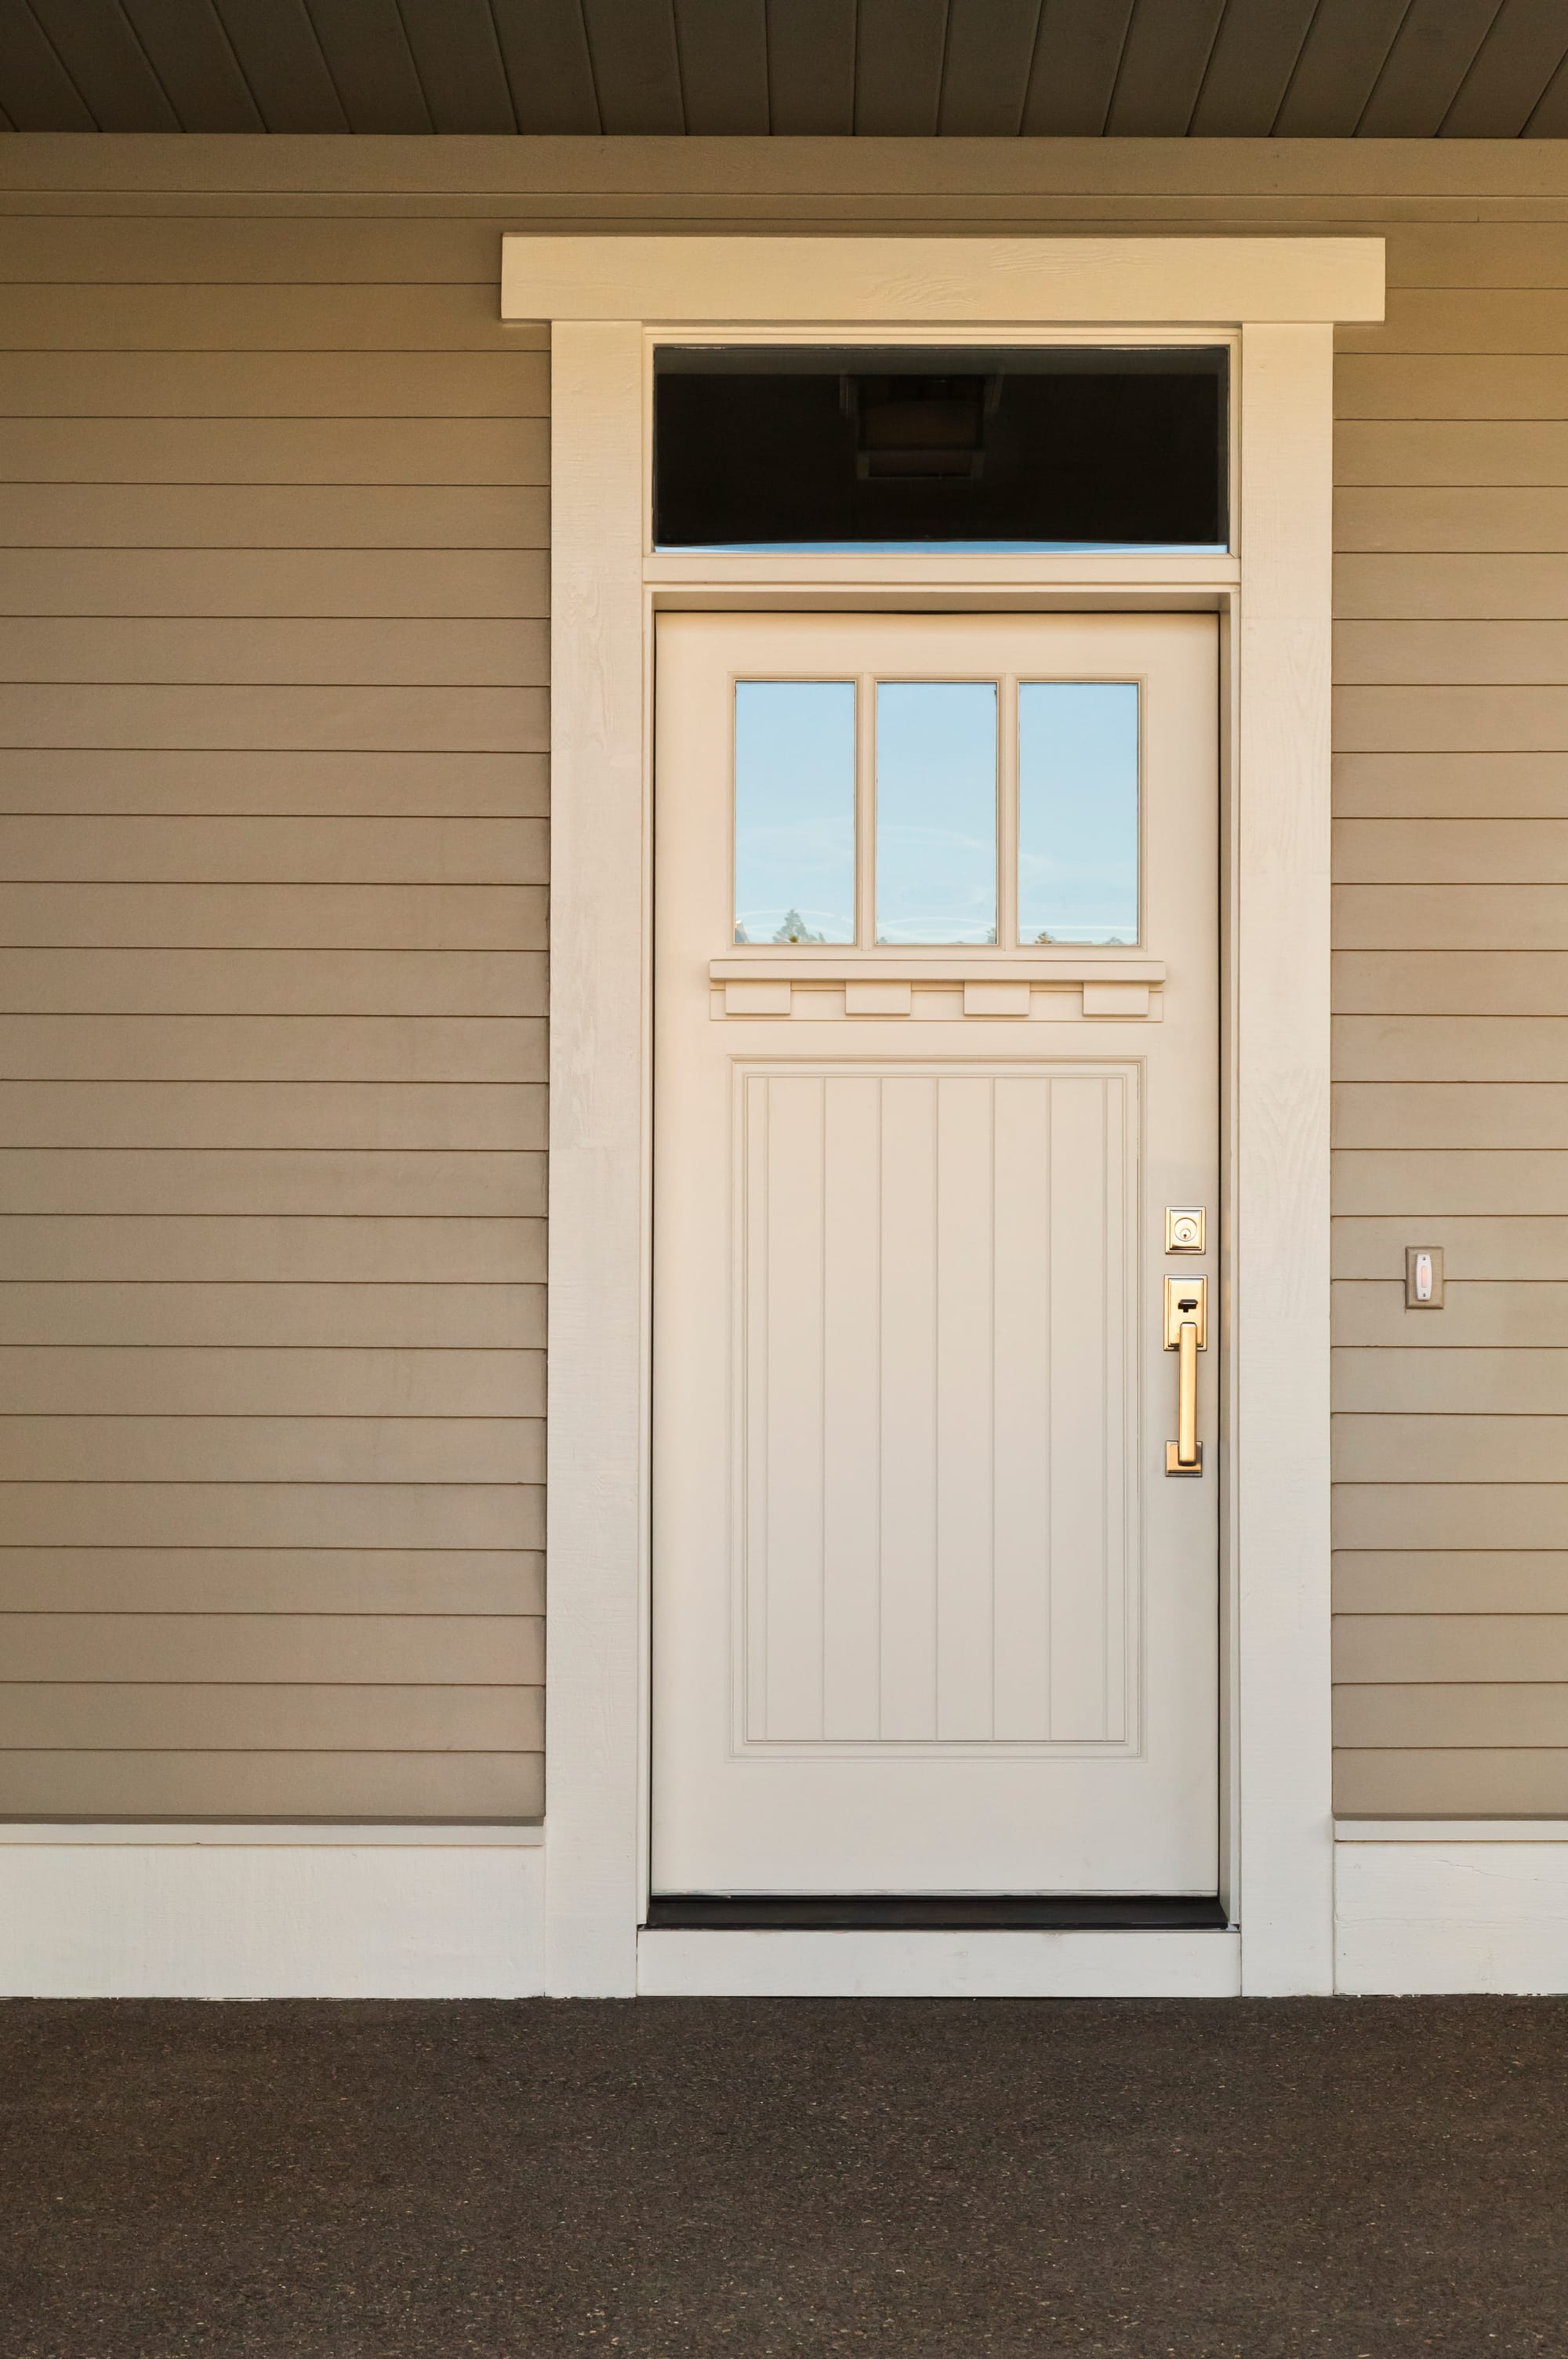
936, 811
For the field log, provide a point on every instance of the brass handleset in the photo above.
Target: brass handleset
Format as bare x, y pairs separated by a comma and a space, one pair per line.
1187, 1334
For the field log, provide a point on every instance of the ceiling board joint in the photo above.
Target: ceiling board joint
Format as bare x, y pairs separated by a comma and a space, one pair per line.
414, 64
261, 122
48, 39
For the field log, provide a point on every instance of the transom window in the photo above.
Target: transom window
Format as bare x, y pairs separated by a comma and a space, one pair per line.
1042, 446
895, 813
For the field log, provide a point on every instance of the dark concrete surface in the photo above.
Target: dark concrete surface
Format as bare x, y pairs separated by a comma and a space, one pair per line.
693, 2177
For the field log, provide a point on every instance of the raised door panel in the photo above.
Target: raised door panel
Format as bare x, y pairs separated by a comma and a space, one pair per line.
937, 1412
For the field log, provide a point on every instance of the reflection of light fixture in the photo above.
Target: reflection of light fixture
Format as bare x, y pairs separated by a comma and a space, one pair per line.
919, 429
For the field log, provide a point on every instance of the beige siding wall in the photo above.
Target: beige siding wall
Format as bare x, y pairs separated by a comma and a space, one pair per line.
272, 490
274, 844
1450, 1093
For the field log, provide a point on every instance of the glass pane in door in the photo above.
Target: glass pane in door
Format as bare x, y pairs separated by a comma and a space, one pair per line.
936, 811
1078, 823
794, 811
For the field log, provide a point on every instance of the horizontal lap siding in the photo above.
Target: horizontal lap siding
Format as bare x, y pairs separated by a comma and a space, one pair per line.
273, 583
274, 591
1451, 1030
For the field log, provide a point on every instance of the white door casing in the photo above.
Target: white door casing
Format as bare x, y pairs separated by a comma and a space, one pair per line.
928, 1614
1278, 299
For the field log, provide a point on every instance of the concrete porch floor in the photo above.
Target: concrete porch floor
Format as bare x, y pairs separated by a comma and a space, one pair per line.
424, 2180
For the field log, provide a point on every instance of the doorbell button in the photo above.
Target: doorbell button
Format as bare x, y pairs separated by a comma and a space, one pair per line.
1424, 1277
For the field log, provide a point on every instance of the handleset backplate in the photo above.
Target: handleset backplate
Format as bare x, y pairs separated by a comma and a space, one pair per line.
1186, 1300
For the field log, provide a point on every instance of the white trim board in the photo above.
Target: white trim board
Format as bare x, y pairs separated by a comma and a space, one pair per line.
1461, 1830
294, 1833
606, 297
1132, 1964
252, 1912
938, 281
1429, 1915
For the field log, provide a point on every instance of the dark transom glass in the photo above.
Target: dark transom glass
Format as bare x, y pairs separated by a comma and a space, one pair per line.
1050, 446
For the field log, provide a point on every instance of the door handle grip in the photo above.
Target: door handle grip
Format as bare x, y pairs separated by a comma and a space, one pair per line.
1186, 1323
1187, 1457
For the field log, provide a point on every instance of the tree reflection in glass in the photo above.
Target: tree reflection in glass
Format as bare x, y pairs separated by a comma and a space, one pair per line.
794, 820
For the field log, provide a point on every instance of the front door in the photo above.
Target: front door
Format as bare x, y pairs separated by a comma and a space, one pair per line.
935, 1121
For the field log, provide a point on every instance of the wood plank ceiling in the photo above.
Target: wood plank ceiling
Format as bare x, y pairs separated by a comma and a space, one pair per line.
1286, 69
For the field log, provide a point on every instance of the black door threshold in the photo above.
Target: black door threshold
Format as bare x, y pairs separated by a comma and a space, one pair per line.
1053, 1912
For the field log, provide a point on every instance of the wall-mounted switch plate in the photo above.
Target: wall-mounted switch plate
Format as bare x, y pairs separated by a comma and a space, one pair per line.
1424, 1277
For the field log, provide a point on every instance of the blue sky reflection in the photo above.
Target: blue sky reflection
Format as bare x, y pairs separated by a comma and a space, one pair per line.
794, 811
936, 811
1078, 811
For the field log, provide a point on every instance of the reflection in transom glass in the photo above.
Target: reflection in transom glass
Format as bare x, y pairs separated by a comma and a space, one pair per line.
794, 811
1060, 446
936, 811
1078, 811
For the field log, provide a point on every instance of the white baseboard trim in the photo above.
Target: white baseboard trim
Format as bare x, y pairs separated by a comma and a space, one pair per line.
1450, 1831
244, 1912
307, 1832
1432, 1912
205, 1910
888, 1964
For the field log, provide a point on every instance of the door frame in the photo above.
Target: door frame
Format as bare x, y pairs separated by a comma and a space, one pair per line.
609, 299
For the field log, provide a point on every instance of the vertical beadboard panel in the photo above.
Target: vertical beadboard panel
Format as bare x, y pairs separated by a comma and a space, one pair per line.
938, 1407
966, 1407
1023, 1310
1085, 1238
852, 1317
909, 1453
1122, 1438
790, 1334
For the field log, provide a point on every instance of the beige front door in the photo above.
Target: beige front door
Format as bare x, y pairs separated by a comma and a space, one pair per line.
936, 1055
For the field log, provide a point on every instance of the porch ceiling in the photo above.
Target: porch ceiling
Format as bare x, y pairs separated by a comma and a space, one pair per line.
1317, 68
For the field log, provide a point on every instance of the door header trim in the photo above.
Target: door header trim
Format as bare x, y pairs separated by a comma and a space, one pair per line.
876, 281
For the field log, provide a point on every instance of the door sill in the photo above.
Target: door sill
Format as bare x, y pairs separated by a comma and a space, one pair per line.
933, 1912
912, 1962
